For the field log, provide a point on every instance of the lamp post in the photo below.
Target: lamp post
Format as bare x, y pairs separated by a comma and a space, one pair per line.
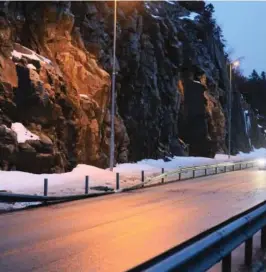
231, 65
112, 138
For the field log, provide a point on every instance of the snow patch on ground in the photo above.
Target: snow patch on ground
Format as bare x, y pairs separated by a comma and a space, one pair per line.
74, 181
130, 174
23, 134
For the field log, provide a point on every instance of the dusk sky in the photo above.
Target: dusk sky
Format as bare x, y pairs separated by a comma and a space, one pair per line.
244, 28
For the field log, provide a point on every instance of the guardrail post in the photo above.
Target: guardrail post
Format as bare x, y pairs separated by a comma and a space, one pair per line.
225, 168
45, 190
233, 167
248, 252
162, 173
240, 167
263, 237
193, 173
179, 176
142, 178
226, 263
216, 170
86, 185
117, 181
205, 171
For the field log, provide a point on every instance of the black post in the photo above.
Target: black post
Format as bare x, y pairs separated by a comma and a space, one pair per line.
240, 166
263, 238
117, 181
45, 191
226, 263
233, 167
86, 185
225, 168
216, 170
162, 173
179, 176
193, 173
205, 172
248, 252
142, 178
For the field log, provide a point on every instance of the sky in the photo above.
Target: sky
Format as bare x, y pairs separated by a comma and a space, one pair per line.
244, 28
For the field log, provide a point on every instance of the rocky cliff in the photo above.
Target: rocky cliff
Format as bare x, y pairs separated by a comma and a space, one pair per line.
55, 65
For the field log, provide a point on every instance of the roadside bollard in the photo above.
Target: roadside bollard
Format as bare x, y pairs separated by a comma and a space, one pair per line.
216, 170
163, 173
193, 173
205, 172
179, 176
45, 191
86, 185
142, 178
225, 168
117, 181
240, 166
233, 167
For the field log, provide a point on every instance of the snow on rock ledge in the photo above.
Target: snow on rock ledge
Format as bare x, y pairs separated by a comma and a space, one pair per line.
22, 51
23, 134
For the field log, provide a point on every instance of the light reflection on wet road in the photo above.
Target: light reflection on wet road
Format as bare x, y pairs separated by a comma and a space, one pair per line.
117, 232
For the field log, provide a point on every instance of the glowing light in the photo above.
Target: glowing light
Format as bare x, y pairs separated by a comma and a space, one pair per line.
236, 63
261, 162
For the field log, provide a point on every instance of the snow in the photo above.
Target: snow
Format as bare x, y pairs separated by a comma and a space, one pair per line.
73, 182
247, 125
84, 96
191, 16
170, 2
147, 6
32, 55
58, 184
23, 134
31, 66
196, 81
259, 126
156, 17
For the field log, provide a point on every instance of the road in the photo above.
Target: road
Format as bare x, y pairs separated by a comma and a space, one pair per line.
116, 232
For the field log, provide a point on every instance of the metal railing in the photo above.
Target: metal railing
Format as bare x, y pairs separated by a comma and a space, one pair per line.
206, 249
12, 198
176, 175
150, 181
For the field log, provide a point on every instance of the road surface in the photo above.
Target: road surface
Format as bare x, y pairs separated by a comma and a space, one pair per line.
116, 232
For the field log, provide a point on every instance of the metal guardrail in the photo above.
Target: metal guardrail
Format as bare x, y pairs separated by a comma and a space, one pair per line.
162, 177
12, 198
205, 250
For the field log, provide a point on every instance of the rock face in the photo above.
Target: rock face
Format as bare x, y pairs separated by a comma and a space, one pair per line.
171, 89
62, 97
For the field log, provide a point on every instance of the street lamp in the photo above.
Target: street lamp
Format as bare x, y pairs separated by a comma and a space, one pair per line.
112, 138
233, 64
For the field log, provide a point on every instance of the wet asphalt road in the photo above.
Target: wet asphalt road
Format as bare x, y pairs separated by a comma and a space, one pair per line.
117, 232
